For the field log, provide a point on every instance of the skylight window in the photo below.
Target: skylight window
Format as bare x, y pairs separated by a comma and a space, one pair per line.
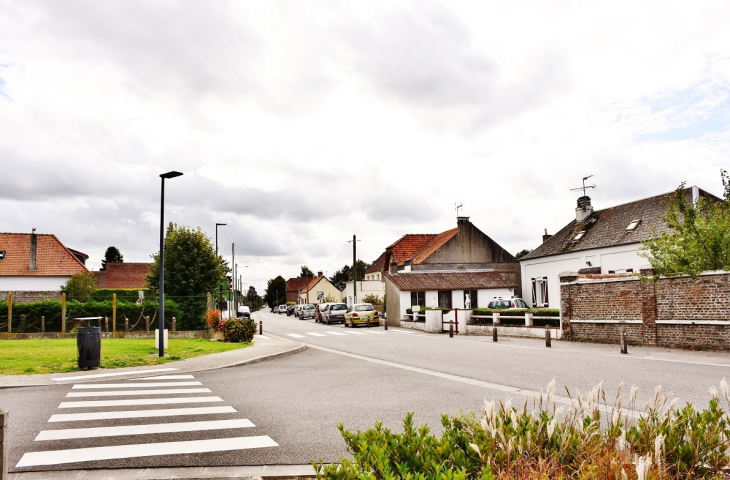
579, 236
632, 226
2, 254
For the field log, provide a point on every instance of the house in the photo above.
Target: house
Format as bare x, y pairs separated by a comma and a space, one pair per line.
293, 285
318, 290
123, 275
372, 283
443, 269
595, 242
35, 266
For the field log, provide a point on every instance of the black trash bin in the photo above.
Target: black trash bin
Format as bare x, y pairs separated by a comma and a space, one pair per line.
88, 342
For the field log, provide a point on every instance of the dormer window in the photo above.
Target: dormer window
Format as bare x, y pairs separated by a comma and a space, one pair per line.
632, 226
2, 254
579, 236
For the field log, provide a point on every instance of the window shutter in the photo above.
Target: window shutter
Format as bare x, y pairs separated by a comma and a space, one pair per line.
534, 294
545, 291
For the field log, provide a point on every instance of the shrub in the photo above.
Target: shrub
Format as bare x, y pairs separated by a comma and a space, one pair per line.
374, 299
239, 330
123, 294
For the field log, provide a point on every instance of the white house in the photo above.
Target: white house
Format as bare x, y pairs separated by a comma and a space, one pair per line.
35, 265
595, 242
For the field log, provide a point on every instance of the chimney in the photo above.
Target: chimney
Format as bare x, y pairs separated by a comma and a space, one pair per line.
545, 236
464, 235
584, 209
319, 274
32, 267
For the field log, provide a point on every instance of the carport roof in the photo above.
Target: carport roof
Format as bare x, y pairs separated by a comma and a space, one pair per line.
449, 281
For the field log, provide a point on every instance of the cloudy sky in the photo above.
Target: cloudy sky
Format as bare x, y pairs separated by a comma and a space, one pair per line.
301, 123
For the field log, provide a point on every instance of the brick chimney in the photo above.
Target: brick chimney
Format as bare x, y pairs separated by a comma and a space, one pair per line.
319, 274
465, 232
584, 209
32, 265
545, 236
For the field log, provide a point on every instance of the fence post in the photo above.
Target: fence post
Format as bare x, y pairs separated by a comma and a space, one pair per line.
106, 324
147, 323
114, 315
4, 444
43, 324
208, 303
63, 313
174, 321
528, 319
126, 325
495, 318
10, 314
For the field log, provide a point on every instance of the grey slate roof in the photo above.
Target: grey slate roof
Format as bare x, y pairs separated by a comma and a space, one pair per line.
449, 281
607, 227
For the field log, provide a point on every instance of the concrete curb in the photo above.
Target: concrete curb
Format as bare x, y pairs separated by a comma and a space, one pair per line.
271, 472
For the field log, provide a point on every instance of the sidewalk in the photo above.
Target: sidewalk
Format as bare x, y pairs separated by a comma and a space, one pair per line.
262, 349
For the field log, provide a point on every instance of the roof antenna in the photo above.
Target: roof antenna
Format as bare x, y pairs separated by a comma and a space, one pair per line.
584, 187
457, 208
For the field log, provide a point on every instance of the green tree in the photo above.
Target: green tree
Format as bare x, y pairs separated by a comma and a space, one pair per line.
343, 275
306, 272
275, 291
192, 269
699, 235
79, 287
522, 253
112, 255
252, 295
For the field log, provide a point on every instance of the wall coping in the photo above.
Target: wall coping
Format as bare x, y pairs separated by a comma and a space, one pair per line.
635, 277
628, 322
693, 322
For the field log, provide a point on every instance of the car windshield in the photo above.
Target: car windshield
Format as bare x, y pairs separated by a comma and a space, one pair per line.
307, 307
364, 308
338, 307
500, 304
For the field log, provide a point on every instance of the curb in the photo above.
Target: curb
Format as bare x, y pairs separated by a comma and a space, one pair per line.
269, 472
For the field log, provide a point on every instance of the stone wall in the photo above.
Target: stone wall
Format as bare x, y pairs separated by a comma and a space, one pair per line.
674, 311
27, 297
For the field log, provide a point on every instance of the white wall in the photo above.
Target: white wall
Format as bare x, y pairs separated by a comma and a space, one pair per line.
30, 283
364, 288
611, 258
486, 296
457, 298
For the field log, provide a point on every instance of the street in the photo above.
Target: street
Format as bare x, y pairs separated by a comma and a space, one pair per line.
286, 410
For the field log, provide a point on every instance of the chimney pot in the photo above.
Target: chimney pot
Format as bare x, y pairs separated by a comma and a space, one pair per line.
584, 208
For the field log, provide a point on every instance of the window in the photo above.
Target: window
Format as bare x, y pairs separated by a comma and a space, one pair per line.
632, 226
364, 308
472, 298
2, 254
540, 292
579, 236
445, 299
418, 298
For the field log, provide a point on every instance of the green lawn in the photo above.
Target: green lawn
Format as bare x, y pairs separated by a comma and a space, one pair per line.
23, 357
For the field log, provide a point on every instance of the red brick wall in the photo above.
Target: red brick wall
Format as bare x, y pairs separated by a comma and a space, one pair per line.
127, 275
706, 298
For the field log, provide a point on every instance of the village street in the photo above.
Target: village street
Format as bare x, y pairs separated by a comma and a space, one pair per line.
285, 411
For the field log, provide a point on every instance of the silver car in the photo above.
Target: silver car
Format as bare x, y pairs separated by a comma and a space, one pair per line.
335, 312
306, 311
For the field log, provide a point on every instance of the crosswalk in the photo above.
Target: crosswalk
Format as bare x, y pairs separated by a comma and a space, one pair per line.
106, 424
343, 333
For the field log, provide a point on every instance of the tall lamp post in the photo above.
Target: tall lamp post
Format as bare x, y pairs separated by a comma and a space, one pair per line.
161, 335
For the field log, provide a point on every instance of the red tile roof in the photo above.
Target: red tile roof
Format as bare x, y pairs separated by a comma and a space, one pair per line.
449, 281
295, 284
310, 285
407, 246
52, 257
431, 247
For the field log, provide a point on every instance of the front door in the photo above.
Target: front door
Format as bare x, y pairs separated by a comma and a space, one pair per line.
445, 299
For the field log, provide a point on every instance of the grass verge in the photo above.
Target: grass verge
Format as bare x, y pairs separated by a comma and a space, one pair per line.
27, 357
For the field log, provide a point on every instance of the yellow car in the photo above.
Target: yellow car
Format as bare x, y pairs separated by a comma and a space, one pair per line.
361, 314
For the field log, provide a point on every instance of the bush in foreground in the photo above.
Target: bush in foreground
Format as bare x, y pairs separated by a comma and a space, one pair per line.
238, 330
550, 441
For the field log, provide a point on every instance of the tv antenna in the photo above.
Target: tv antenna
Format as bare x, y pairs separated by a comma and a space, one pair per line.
584, 187
457, 207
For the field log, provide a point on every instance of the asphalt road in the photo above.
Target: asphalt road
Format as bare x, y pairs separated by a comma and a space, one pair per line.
286, 411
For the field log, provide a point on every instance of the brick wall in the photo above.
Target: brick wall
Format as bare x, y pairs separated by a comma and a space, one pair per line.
608, 302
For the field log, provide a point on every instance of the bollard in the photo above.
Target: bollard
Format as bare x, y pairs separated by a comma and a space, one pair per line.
548, 339
4, 447
624, 346
43, 324
174, 321
451, 330
494, 334
385, 323
261, 327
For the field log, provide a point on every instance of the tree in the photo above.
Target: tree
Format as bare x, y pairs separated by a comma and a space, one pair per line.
306, 272
192, 269
699, 235
522, 253
79, 287
252, 295
275, 291
112, 255
344, 275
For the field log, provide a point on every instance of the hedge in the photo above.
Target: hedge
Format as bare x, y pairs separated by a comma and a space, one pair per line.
518, 312
123, 294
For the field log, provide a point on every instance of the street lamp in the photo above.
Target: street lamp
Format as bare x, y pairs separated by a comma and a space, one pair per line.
161, 335
216, 235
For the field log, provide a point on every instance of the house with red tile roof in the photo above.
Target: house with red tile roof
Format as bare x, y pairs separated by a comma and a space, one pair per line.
35, 266
293, 285
451, 269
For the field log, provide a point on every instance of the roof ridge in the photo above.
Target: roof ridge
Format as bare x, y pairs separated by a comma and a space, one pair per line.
70, 252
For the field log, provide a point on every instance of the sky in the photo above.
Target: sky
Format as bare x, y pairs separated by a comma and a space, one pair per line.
302, 123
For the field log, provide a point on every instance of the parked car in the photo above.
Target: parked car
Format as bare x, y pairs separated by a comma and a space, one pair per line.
244, 311
290, 309
318, 309
281, 309
297, 309
361, 313
335, 312
508, 303
307, 311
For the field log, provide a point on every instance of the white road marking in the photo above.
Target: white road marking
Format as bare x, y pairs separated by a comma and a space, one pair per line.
116, 374
133, 385
352, 332
336, 333
374, 332
162, 377
141, 429
56, 457
142, 401
401, 331
262, 336
316, 334
119, 393
165, 412
295, 335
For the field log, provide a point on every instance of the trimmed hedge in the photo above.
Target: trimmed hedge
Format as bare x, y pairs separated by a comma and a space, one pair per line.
504, 316
518, 312
237, 330
123, 294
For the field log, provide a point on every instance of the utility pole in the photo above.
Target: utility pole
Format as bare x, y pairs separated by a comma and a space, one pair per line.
233, 276
354, 269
